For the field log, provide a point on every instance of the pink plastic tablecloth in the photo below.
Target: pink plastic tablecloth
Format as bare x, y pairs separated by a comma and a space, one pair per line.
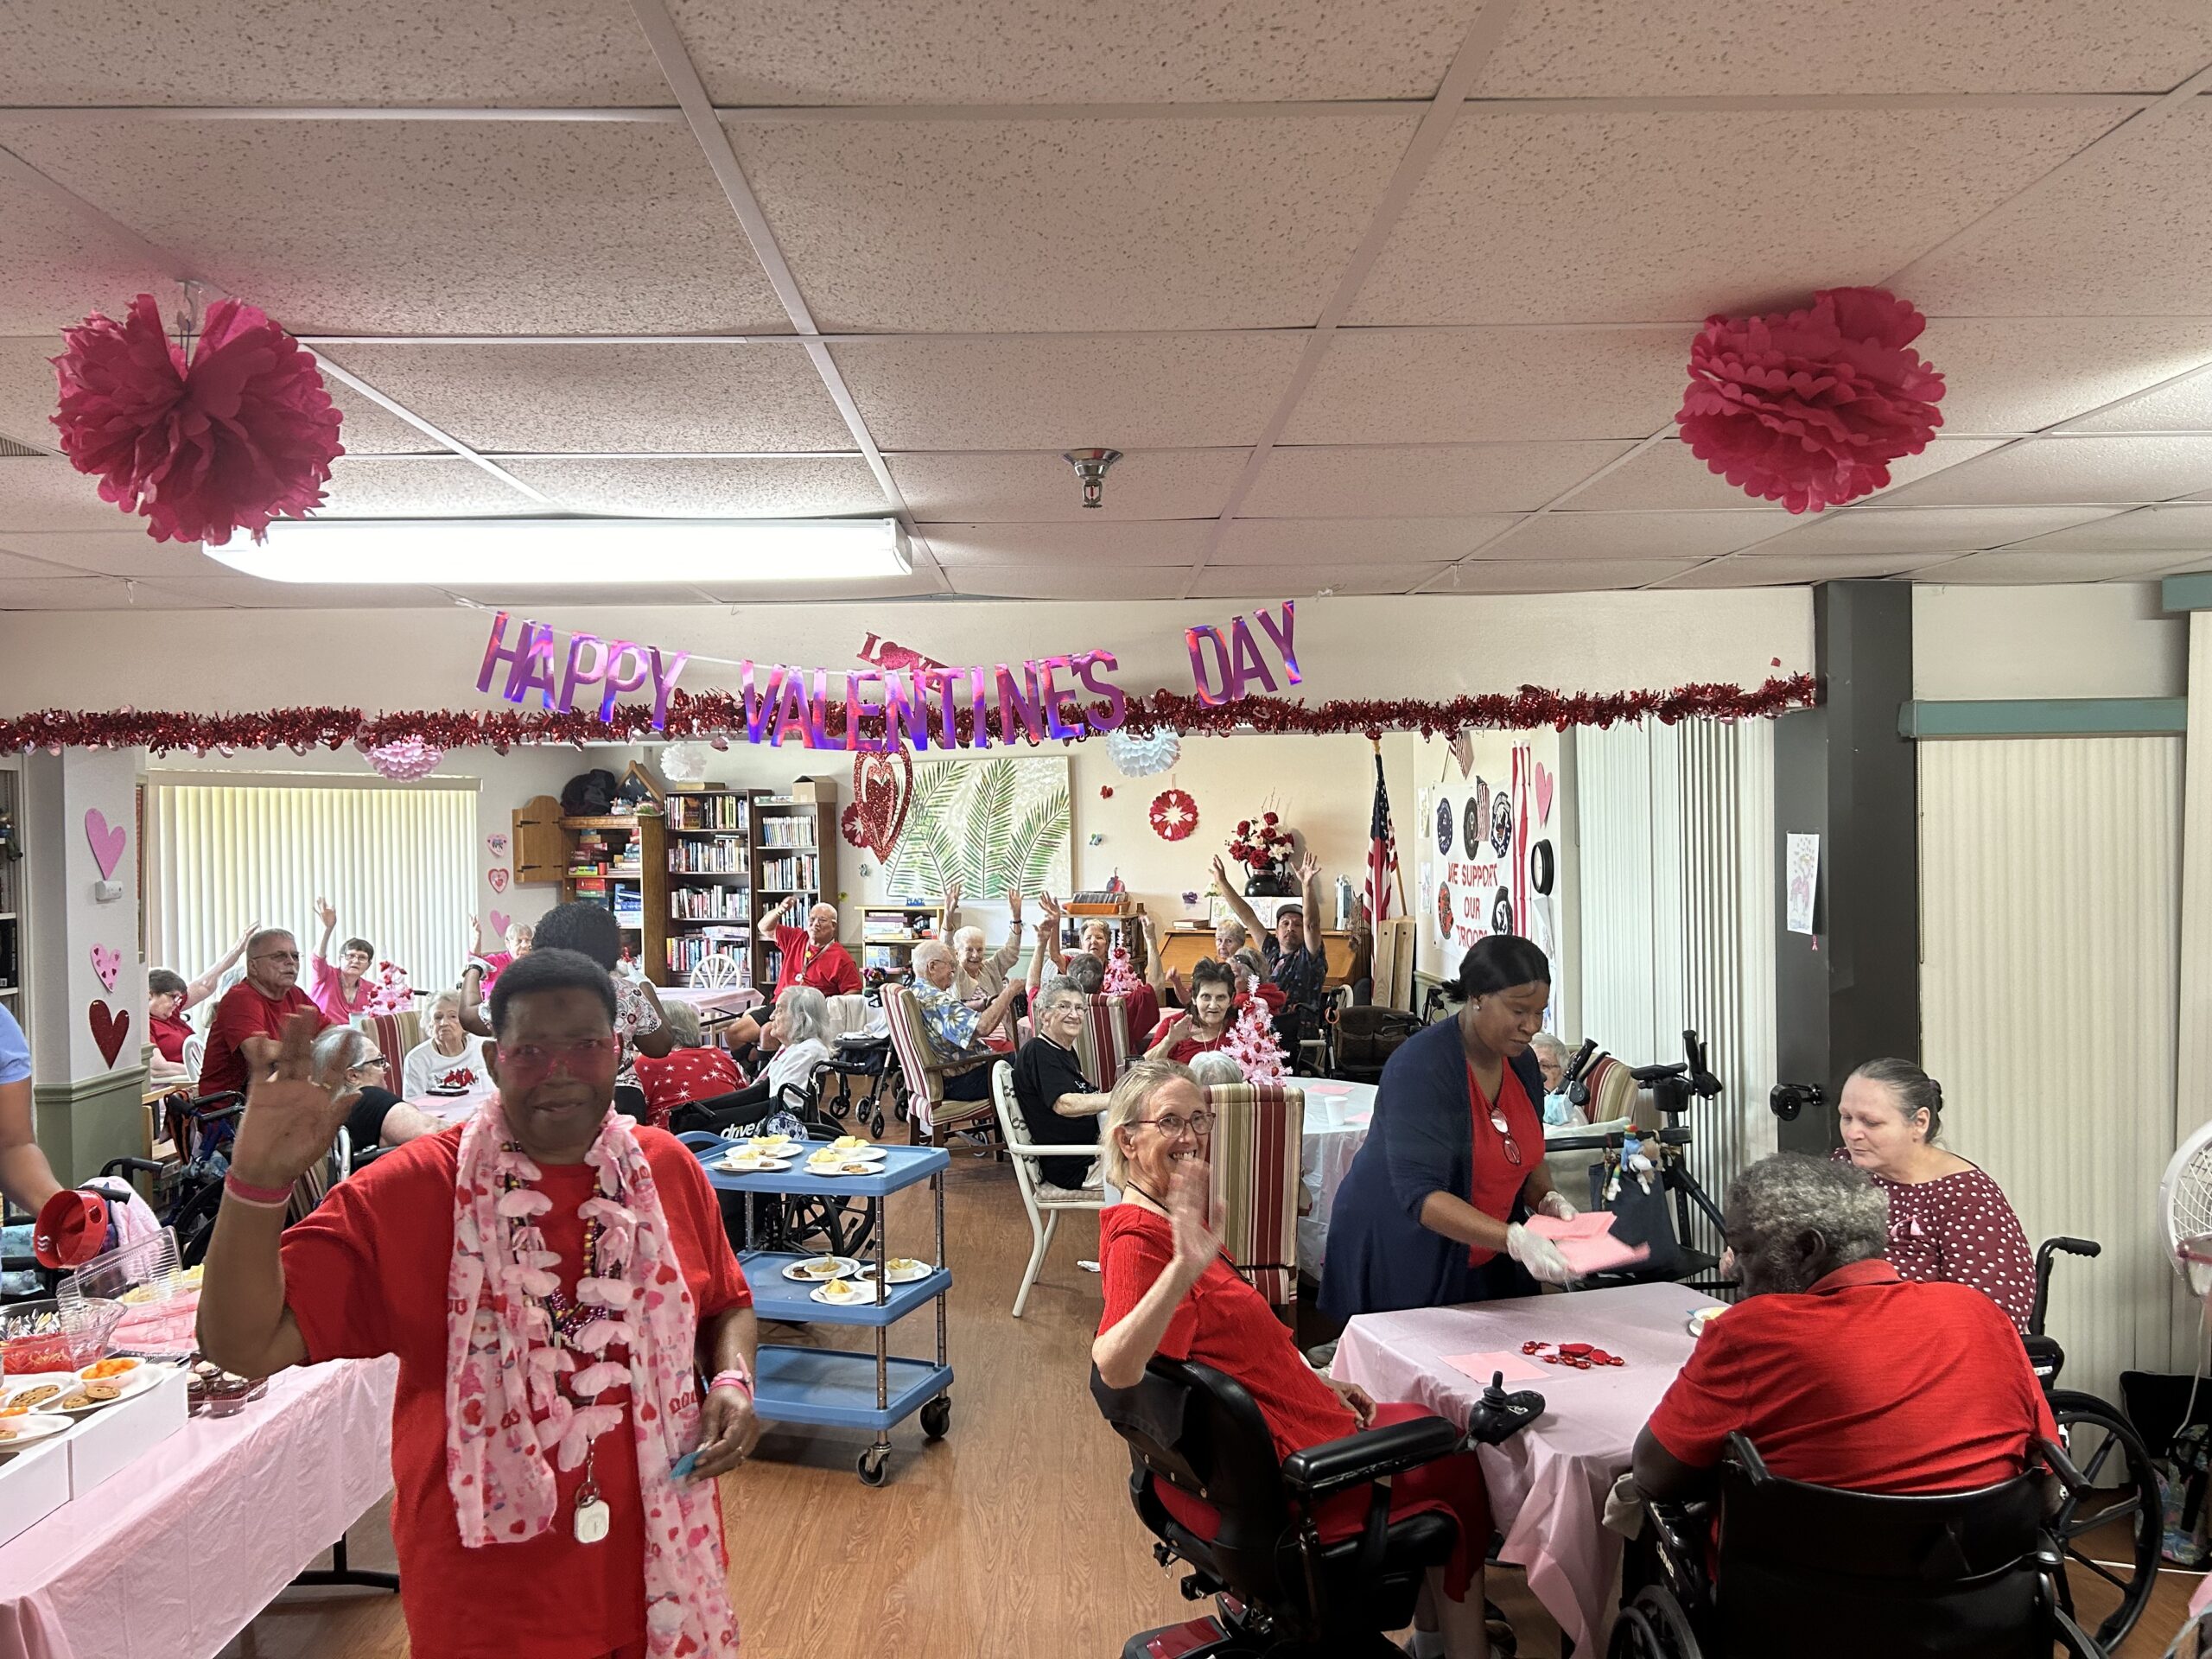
171, 1559
1548, 1484
717, 999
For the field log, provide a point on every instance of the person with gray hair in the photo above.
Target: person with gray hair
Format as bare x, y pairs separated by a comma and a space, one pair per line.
249, 1020
1842, 1372
798, 1047
976, 977
1059, 1105
345, 1061
1214, 1066
956, 1030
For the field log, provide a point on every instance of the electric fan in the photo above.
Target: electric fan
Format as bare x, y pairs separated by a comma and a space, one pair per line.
2185, 1211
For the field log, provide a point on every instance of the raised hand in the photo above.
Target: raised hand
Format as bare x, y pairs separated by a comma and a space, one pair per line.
326, 913
291, 1121
1195, 1219
1308, 867
952, 894
1051, 906
1013, 903
1221, 875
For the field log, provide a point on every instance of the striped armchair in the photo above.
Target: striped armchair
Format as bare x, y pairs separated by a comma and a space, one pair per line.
930, 1115
1258, 1133
395, 1035
1101, 1044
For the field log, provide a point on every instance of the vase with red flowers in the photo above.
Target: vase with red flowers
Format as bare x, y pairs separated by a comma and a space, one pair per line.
1263, 846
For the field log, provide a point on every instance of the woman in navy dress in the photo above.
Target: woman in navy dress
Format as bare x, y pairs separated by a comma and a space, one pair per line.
1430, 1213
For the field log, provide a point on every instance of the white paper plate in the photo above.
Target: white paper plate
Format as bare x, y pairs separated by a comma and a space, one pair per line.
851, 1169
863, 1295
920, 1271
32, 1428
861, 1155
1705, 1316
24, 1383
846, 1266
754, 1166
129, 1384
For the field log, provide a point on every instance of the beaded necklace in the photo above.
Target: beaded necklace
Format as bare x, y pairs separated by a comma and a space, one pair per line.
568, 1316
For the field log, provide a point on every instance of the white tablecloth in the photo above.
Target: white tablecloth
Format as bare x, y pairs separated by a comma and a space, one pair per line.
1331, 1139
171, 1558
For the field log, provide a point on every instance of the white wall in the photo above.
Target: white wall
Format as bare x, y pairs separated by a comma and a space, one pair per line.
67, 918
2102, 639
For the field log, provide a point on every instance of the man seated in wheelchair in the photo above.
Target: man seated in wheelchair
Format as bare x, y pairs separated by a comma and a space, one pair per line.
1839, 1372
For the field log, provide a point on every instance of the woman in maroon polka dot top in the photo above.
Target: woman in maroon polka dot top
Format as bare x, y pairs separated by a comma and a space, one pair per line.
1947, 1220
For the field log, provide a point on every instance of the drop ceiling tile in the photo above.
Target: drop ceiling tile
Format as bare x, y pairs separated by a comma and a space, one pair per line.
427, 226
1071, 581
1648, 218
640, 399
398, 51
2021, 374
919, 225
553, 597
1925, 530
1259, 581
1578, 536
2173, 530
2122, 233
1667, 476
801, 487
74, 593
424, 488
1422, 481
2014, 567
18, 564
2121, 470
371, 429
1587, 48
46, 492
2185, 405
1745, 571
782, 52
1558, 576
1041, 484
1471, 385
1131, 393
1089, 541
922, 583
57, 264
113, 553
234, 591
1339, 541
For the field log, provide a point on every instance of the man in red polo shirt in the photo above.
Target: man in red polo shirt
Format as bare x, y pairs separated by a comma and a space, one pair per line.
242, 1036
811, 954
1841, 1373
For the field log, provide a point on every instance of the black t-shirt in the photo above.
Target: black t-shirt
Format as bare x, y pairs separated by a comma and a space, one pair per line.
1042, 1072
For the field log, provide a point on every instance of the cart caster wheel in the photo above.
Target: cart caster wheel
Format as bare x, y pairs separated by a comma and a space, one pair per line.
873, 1467
937, 1417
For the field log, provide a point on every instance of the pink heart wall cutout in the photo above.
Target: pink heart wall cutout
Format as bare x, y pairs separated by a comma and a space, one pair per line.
106, 840
501, 922
107, 964
498, 844
498, 879
1544, 781
109, 1027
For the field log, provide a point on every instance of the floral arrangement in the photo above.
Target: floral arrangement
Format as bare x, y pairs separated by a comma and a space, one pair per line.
1262, 845
392, 995
1252, 1042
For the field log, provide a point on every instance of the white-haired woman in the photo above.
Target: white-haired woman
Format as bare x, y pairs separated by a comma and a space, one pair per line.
347, 1062
1172, 1293
958, 1033
450, 1060
798, 1028
979, 973
1095, 939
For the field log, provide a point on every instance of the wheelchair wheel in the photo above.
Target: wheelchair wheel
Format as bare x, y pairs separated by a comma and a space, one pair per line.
2110, 1533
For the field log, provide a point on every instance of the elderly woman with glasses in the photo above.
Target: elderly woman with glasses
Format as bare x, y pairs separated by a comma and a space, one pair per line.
1430, 1212
554, 1279
1059, 1106
1172, 1293
349, 1064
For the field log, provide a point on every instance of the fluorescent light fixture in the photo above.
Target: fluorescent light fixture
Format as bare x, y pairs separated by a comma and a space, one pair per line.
549, 552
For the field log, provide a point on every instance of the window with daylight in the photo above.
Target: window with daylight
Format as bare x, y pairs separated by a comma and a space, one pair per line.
395, 861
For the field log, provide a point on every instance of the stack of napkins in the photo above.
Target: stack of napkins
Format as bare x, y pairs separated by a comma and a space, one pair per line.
1587, 1242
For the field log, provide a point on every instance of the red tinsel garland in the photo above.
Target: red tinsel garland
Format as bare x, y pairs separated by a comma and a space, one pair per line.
717, 715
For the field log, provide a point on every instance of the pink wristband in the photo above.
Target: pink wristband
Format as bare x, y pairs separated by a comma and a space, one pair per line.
731, 1380
259, 1197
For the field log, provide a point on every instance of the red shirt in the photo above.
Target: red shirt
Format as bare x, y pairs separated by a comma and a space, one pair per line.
1497, 1177
243, 1012
685, 1074
365, 1275
1867, 1381
1185, 1052
1222, 1322
828, 968
168, 1036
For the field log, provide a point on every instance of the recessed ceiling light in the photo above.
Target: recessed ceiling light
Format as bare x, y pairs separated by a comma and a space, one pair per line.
545, 552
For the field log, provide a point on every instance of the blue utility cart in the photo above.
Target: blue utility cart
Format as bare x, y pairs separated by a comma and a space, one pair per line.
845, 1389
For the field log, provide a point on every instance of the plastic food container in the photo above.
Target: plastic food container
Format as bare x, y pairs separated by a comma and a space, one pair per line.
45, 1336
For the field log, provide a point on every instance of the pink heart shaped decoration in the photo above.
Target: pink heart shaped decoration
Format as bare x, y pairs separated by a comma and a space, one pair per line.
500, 922
1544, 781
883, 790
106, 840
107, 964
498, 878
498, 844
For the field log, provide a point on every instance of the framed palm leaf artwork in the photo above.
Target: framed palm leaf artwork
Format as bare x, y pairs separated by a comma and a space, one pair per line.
991, 826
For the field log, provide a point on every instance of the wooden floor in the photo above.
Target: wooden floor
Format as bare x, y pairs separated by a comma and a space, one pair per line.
1011, 1537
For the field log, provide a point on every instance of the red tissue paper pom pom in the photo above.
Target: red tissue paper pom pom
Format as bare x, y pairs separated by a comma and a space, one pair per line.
242, 435
1809, 408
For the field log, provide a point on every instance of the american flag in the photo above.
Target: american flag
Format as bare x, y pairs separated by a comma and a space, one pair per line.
1382, 851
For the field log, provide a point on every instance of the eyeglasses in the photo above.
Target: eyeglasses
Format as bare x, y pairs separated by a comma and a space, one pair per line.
1172, 1124
278, 956
534, 1062
374, 1062
1512, 1148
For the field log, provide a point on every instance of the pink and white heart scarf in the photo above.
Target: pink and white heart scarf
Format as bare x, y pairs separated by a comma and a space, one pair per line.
508, 1418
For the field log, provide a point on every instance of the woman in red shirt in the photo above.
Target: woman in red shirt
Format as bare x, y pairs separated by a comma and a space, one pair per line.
1181, 1037
550, 1277
691, 1071
1171, 1292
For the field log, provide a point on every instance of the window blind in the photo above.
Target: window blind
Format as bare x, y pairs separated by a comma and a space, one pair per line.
396, 860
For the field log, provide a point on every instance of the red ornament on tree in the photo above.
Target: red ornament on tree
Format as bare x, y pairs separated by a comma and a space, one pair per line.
243, 434
1809, 408
1174, 814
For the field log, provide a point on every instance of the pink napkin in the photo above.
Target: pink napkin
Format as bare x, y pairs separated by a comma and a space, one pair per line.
1590, 1223
1483, 1367
1587, 1241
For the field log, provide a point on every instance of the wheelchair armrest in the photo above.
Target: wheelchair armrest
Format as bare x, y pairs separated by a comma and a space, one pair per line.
1369, 1455
136, 1165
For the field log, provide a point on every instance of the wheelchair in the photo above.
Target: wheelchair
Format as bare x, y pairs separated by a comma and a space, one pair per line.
1818, 1573
1280, 1590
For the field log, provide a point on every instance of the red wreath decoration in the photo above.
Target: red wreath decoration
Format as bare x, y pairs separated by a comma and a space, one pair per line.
242, 434
1809, 408
1174, 814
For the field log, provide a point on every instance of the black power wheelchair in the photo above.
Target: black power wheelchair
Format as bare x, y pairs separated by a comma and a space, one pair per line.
1280, 1590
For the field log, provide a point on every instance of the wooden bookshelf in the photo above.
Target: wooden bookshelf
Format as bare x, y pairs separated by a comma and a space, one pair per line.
711, 906
634, 883
794, 851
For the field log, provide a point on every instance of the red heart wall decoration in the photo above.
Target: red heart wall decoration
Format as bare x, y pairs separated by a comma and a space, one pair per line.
498, 878
883, 789
109, 1027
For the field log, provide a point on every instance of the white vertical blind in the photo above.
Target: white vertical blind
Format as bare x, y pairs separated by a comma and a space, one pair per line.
1676, 826
397, 860
2050, 873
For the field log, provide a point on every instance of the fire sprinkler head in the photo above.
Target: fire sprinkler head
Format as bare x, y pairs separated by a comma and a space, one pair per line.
1090, 467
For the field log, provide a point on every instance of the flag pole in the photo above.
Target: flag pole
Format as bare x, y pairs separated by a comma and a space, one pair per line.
1397, 866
